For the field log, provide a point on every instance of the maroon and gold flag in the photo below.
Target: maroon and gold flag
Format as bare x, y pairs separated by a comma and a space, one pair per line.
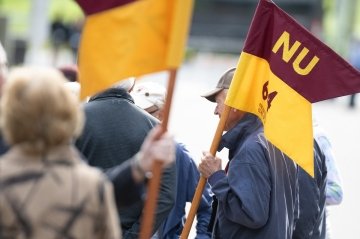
126, 38
282, 69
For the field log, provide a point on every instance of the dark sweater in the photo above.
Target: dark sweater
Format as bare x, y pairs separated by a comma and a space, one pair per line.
114, 131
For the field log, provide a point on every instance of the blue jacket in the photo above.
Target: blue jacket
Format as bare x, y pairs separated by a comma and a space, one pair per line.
258, 196
187, 180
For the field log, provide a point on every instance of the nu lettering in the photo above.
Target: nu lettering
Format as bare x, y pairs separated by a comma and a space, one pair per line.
289, 51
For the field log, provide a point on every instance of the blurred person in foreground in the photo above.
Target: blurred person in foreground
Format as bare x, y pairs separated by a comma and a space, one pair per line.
114, 131
54, 170
150, 96
46, 191
257, 193
3, 74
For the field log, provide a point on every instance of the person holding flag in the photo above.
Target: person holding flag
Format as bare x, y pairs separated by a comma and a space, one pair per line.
281, 71
257, 193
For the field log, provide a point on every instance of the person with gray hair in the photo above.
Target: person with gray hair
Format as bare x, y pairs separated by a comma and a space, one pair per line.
257, 192
46, 191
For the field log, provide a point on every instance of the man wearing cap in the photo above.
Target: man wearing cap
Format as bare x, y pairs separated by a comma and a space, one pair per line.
150, 96
257, 193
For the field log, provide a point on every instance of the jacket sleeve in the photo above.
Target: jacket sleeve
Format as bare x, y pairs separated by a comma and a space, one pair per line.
126, 191
334, 192
244, 193
165, 202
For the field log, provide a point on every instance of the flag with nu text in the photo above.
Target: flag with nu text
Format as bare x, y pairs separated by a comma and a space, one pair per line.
129, 38
282, 69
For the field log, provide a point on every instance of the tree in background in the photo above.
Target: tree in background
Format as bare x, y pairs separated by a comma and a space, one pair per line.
342, 30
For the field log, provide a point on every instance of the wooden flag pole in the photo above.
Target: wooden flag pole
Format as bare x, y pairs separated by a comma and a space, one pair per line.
154, 184
202, 182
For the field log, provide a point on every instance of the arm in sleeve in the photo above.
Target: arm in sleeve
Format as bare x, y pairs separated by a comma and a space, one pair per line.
167, 194
165, 202
334, 192
244, 194
126, 190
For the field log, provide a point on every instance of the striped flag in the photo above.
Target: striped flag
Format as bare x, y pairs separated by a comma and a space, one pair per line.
282, 69
126, 38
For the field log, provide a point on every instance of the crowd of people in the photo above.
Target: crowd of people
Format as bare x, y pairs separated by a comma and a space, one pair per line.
71, 169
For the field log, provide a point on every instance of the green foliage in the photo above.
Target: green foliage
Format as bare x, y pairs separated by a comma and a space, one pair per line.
18, 13
68, 11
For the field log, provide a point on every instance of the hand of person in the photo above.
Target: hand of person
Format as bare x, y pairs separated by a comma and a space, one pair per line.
209, 164
155, 148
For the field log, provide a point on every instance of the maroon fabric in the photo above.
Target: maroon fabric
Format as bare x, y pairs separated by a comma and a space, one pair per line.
331, 77
96, 6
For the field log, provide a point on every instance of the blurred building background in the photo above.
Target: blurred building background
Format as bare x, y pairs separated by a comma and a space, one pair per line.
35, 30
27, 26
222, 25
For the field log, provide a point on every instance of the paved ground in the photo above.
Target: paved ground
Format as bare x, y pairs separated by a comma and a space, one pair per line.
193, 123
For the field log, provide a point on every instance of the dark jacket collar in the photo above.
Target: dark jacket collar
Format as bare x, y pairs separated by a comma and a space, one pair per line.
113, 93
247, 125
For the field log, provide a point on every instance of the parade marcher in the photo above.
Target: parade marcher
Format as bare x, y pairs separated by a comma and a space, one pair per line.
46, 190
150, 96
257, 193
114, 131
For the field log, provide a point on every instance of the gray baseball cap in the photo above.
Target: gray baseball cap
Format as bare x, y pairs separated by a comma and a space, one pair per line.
224, 83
